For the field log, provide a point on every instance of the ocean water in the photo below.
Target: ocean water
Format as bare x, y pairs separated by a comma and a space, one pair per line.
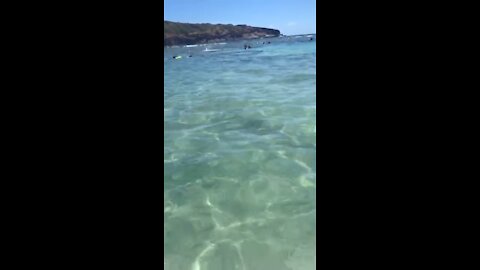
239, 156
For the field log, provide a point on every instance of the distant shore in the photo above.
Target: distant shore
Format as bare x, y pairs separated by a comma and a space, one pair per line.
177, 34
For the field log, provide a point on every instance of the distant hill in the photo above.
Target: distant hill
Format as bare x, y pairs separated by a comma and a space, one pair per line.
189, 34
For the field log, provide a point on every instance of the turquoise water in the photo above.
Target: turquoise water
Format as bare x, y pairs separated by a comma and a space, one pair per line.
239, 156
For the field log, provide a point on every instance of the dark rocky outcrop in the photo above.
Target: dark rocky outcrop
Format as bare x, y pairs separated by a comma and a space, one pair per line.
189, 34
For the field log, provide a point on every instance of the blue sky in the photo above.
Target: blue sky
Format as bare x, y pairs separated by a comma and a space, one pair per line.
291, 17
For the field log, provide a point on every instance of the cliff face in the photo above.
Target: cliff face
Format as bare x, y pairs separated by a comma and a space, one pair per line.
187, 33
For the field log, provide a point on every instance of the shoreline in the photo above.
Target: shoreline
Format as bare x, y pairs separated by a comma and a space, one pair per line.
221, 41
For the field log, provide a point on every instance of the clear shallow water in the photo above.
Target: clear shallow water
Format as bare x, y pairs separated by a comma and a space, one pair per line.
239, 158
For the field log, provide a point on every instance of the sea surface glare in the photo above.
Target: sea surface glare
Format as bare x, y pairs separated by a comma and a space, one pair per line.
239, 156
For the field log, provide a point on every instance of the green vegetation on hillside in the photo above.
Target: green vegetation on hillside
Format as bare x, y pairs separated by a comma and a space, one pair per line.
188, 33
